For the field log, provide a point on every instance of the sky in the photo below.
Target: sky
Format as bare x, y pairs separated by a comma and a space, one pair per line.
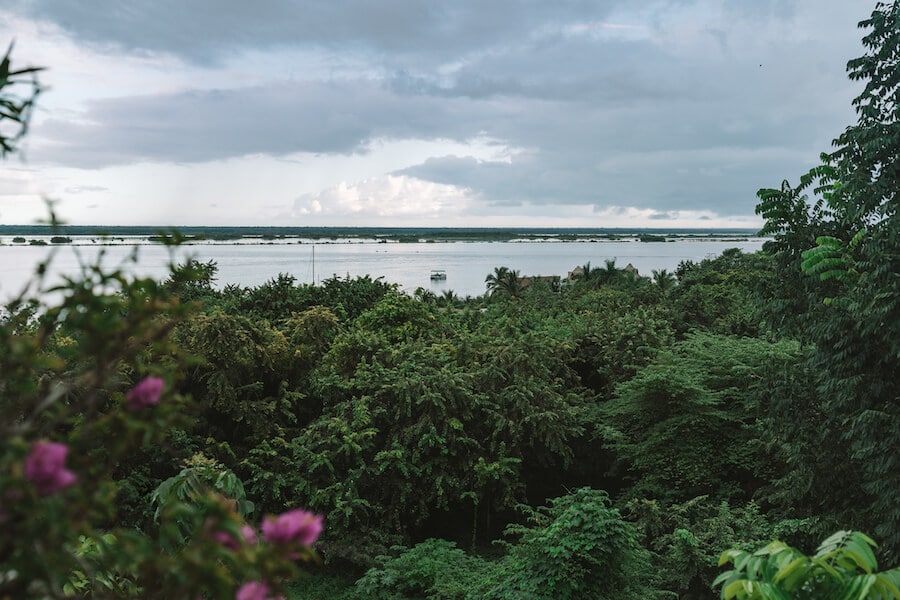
424, 113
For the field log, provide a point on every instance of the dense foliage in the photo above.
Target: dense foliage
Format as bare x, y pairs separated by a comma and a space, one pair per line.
660, 422
841, 294
88, 386
844, 566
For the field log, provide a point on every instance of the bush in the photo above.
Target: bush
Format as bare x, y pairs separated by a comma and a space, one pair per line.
577, 547
432, 570
86, 386
685, 540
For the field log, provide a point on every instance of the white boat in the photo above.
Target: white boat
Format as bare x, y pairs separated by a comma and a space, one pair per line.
438, 275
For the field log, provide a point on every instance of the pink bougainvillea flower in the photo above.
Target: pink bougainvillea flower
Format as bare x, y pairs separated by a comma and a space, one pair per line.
146, 393
45, 467
249, 534
293, 526
255, 590
227, 540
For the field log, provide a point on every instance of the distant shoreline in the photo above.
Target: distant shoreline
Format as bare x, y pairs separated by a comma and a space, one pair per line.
263, 235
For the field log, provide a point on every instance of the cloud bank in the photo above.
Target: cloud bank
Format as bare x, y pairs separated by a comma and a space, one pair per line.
665, 107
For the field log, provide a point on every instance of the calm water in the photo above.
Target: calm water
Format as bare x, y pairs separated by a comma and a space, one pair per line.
466, 263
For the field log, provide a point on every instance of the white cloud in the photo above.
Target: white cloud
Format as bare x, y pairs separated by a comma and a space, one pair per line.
387, 200
249, 190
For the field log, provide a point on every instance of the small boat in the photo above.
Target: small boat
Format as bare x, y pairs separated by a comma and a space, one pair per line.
438, 275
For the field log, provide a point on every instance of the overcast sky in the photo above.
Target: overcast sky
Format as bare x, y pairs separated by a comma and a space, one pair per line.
568, 113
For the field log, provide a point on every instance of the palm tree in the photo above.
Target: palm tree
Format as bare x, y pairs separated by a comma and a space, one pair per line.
513, 284
664, 280
492, 281
504, 281
609, 274
586, 274
423, 295
448, 298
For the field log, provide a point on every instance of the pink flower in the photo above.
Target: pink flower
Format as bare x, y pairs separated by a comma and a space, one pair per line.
226, 540
293, 526
45, 468
249, 534
255, 590
145, 394
229, 542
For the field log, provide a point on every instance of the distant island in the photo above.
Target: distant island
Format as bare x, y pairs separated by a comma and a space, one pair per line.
388, 234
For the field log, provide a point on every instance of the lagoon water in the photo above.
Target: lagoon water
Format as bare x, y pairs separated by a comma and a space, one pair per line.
253, 262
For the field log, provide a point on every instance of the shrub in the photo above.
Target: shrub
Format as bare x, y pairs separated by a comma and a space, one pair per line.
433, 570
844, 566
577, 547
87, 385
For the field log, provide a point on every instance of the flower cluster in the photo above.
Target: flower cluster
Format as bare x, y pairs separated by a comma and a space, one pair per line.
144, 394
294, 526
45, 467
255, 590
227, 540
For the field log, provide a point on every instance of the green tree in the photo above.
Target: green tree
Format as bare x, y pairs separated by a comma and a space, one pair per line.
349, 298
588, 276
239, 379
847, 239
611, 346
610, 273
722, 294
277, 298
664, 280
85, 386
449, 298
193, 280
504, 282
686, 539
423, 411
668, 423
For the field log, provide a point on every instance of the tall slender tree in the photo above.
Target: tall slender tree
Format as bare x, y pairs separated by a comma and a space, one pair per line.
847, 242
504, 282
664, 280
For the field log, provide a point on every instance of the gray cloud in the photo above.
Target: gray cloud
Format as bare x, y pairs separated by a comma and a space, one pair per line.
667, 181
209, 30
691, 107
198, 126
